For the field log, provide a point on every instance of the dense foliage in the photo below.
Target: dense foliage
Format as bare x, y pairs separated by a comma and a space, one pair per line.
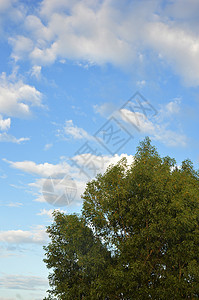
137, 237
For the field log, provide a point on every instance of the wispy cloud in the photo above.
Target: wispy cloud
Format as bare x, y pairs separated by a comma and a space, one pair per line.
140, 83
159, 127
70, 130
14, 204
48, 213
172, 108
21, 282
44, 170
105, 109
4, 137
64, 179
48, 146
36, 72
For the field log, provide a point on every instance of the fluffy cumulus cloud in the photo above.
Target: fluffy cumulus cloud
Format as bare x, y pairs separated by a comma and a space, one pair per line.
35, 236
17, 98
11, 12
75, 30
112, 32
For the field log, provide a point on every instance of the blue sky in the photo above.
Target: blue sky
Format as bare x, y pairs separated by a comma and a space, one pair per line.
67, 71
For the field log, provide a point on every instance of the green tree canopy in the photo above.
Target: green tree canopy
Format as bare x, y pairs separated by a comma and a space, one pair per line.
137, 237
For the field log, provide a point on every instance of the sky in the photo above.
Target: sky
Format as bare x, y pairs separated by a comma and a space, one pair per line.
81, 84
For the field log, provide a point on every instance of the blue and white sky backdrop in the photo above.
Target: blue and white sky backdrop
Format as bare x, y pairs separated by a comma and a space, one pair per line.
67, 70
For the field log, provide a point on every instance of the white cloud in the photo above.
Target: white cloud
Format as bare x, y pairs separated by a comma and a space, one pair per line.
36, 236
10, 13
4, 5
70, 130
170, 138
15, 204
48, 146
21, 46
65, 183
36, 72
173, 107
4, 137
58, 190
21, 282
112, 32
54, 183
139, 120
183, 10
17, 98
85, 33
70, 190
105, 109
179, 47
50, 7
45, 212
38, 29
97, 164
140, 83
4, 123
43, 170
157, 128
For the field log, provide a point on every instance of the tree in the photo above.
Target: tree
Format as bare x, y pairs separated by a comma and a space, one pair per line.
137, 237
77, 257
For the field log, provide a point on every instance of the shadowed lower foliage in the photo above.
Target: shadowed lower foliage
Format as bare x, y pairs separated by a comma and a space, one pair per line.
137, 237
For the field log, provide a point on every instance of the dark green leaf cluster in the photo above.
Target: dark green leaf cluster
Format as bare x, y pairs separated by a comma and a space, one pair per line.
137, 237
